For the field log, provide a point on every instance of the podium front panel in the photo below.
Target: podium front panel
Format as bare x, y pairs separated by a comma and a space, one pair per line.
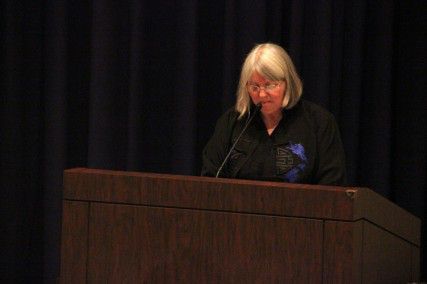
134, 244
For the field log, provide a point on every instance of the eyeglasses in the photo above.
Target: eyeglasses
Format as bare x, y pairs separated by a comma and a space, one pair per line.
255, 89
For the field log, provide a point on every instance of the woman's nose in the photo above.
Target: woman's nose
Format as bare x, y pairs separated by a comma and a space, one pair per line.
262, 93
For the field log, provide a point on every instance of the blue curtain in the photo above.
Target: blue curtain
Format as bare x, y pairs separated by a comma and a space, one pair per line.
138, 85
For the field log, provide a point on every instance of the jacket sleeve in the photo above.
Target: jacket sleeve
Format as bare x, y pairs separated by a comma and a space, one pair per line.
331, 169
218, 145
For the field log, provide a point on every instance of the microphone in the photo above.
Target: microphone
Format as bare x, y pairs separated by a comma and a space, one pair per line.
257, 109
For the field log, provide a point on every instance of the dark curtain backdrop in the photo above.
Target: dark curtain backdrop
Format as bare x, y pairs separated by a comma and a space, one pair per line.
138, 85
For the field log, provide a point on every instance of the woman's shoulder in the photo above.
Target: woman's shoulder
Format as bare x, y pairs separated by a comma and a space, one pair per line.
229, 116
227, 120
315, 110
315, 115
231, 113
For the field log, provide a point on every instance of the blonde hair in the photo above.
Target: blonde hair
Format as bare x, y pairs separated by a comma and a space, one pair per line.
272, 62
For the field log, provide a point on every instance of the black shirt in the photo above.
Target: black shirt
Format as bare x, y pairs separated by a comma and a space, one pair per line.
305, 147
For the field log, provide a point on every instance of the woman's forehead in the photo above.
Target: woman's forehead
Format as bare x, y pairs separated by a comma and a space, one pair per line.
257, 77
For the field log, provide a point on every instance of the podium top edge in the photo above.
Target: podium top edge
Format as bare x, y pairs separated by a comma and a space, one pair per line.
350, 189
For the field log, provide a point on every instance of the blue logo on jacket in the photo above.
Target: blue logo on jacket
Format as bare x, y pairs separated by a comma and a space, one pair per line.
291, 161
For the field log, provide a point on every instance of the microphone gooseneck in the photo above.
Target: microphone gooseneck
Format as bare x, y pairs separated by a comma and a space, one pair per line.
257, 109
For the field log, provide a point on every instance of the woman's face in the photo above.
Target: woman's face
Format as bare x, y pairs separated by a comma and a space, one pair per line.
268, 93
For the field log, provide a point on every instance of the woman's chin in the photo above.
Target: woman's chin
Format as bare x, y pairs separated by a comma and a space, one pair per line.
266, 110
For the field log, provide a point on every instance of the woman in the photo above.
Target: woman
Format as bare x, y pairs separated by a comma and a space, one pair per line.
286, 138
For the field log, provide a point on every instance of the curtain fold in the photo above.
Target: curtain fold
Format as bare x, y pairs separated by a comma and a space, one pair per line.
54, 113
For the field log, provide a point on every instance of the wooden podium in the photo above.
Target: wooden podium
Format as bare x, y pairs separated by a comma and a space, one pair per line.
127, 227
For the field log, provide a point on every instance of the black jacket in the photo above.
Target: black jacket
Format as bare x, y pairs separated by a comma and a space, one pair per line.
304, 148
